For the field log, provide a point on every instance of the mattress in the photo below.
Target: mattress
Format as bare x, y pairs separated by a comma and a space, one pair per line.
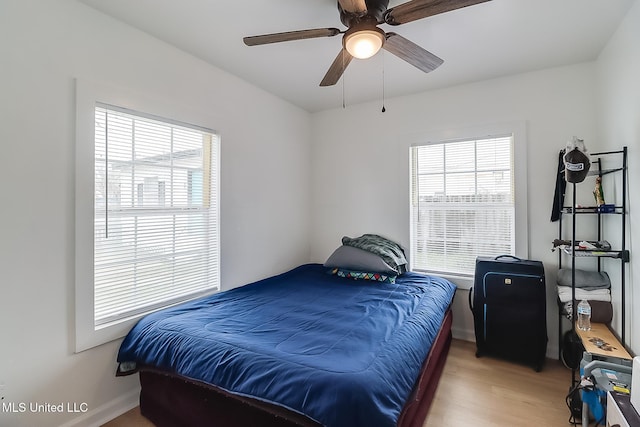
342, 352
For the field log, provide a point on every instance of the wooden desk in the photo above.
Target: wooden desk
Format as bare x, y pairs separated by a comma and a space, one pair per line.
601, 341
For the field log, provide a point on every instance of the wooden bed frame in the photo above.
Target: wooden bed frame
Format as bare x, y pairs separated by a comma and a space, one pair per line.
169, 400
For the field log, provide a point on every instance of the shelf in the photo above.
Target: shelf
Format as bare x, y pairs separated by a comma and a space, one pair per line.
623, 255
600, 334
593, 210
601, 341
602, 172
602, 249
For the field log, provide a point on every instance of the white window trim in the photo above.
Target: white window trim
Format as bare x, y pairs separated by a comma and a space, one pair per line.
519, 131
87, 95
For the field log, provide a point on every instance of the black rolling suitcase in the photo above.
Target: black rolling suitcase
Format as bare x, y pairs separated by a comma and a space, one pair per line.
509, 309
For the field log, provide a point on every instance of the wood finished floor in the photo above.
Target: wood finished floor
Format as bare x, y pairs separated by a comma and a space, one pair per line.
478, 392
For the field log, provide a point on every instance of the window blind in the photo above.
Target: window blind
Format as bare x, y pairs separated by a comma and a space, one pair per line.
462, 203
155, 213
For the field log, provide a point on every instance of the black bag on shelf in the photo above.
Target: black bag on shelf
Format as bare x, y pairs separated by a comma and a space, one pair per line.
508, 302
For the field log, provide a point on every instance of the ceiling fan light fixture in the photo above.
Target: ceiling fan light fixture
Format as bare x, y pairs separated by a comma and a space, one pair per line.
363, 44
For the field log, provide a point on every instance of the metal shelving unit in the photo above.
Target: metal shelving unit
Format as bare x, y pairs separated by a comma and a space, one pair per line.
621, 252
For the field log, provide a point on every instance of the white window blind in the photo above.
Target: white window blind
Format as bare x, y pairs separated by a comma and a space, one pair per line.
155, 213
462, 203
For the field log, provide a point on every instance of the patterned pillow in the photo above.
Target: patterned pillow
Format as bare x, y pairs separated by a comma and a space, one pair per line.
363, 275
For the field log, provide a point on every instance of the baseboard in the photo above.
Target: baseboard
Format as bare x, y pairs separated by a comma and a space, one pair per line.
463, 334
469, 335
552, 351
107, 412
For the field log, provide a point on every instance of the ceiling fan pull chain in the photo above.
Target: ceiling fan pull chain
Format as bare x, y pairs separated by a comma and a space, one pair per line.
383, 107
344, 104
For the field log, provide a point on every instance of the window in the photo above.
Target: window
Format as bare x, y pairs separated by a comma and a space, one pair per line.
463, 203
155, 230
152, 240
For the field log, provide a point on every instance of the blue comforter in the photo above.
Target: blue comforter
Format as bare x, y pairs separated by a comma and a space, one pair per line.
343, 352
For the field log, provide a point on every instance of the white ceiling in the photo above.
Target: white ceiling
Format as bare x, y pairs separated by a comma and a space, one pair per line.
488, 40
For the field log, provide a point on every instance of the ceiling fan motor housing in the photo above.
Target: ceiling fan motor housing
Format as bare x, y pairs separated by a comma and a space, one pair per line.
375, 12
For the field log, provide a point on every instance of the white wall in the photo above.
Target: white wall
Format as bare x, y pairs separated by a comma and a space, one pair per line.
618, 68
360, 180
44, 45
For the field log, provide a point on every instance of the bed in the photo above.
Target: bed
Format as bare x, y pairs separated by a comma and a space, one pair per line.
304, 348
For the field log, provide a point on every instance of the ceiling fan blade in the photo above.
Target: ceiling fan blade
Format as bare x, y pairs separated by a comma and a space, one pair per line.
411, 52
353, 6
418, 9
290, 36
337, 68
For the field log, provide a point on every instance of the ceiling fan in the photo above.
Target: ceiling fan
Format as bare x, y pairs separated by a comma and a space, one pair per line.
363, 38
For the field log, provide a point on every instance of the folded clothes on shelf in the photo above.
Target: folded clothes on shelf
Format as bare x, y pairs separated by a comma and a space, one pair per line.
565, 293
587, 280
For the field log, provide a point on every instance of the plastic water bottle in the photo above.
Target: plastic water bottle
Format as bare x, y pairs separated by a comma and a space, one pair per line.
584, 315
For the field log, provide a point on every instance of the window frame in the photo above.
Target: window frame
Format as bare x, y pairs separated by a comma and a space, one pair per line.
88, 96
521, 228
